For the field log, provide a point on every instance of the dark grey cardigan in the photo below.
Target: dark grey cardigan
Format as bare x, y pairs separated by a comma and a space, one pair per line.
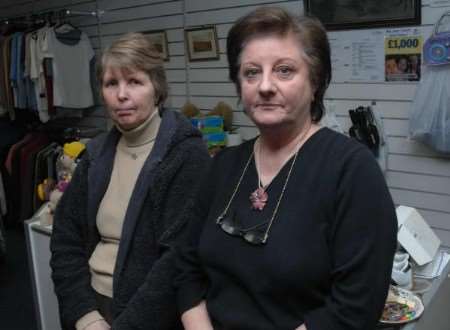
159, 207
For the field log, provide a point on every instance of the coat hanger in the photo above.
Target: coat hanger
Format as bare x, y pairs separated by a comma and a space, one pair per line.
63, 25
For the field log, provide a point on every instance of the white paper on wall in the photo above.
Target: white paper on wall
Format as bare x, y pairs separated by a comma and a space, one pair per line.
357, 55
439, 3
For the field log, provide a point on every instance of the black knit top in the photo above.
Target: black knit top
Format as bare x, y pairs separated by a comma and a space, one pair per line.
327, 262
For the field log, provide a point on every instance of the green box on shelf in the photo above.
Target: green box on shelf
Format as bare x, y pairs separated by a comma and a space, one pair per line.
209, 124
215, 139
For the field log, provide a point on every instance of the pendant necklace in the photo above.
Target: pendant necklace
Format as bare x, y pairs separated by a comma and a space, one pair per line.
259, 197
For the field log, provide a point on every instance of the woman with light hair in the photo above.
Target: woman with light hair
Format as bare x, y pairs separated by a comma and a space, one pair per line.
128, 201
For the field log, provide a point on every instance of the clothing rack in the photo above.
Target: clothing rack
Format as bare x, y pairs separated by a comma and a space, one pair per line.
96, 13
49, 15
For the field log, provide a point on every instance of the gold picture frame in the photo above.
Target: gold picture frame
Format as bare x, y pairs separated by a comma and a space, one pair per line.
159, 39
202, 44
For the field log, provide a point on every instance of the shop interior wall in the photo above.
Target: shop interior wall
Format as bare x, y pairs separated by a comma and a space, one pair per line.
416, 175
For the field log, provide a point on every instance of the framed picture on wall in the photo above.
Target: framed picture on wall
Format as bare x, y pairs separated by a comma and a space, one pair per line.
159, 39
201, 43
357, 14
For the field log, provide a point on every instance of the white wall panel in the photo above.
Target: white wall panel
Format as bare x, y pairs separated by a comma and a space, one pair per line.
175, 102
385, 109
175, 35
156, 23
444, 236
229, 15
221, 63
150, 11
421, 199
175, 62
419, 165
92, 31
404, 145
372, 91
119, 4
396, 127
201, 5
431, 14
176, 49
222, 29
176, 75
177, 89
436, 219
248, 133
207, 75
208, 103
223, 46
213, 89
241, 119
419, 182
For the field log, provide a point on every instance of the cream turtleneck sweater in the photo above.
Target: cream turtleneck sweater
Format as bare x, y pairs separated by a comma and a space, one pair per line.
133, 148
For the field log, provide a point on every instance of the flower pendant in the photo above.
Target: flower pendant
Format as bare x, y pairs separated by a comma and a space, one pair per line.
259, 199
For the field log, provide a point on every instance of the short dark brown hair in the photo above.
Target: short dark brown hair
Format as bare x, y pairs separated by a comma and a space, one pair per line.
135, 51
276, 21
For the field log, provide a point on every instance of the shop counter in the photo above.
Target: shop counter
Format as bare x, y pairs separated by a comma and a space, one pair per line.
46, 305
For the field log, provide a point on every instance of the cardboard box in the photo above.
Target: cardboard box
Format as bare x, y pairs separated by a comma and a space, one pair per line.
416, 236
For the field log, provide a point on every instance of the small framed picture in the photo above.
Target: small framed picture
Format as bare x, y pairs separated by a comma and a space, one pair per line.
159, 39
201, 43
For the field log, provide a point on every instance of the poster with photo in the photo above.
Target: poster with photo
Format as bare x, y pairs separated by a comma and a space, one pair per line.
402, 57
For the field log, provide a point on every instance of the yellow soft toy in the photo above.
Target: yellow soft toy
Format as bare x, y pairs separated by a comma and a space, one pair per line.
71, 152
50, 191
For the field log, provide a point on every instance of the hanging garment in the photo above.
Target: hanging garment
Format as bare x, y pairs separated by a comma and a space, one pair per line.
17, 70
37, 54
429, 122
430, 114
30, 94
71, 75
27, 167
6, 58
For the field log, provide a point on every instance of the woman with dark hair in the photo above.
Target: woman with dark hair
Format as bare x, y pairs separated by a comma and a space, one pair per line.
128, 202
301, 233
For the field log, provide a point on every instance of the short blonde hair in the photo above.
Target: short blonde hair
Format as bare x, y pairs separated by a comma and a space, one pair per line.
135, 51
